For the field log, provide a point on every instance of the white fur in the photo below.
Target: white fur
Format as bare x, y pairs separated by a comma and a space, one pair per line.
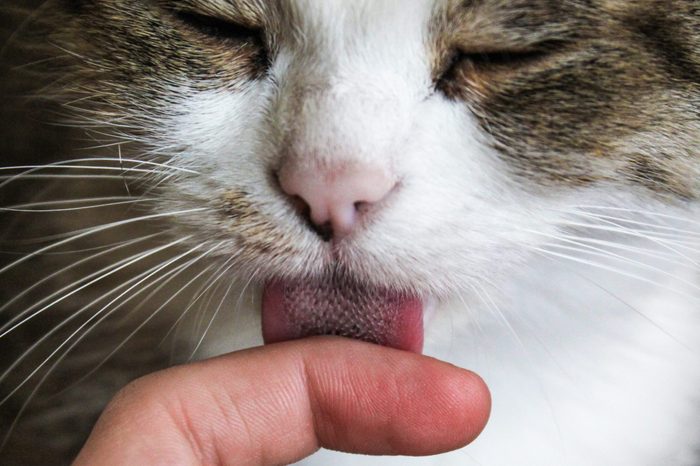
587, 366
584, 377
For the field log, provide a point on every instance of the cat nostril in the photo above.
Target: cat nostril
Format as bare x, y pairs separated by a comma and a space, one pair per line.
335, 199
325, 231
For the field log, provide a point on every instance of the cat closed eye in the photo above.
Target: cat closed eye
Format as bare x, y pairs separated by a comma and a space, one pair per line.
500, 57
492, 63
219, 28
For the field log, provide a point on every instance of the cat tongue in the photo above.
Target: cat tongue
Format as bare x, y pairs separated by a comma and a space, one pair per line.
292, 310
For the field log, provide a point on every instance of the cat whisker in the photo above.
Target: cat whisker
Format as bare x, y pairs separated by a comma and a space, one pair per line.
218, 309
72, 266
197, 293
62, 202
82, 167
644, 316
20, 319
491, 303
667, 256
72, 104
672, 245
208, 284
68, 252
661, 230
211, 321
30, 17
65, 353
27, 66
137, 163
468, 308
611, 227
46, 239
66, 177
597, 252
121, 165
153, 314
206, 302
624, 273
674, 230
135, 310
483, 295
672, 258
95, 230
675, 245
23, 209
647, 213
132, 285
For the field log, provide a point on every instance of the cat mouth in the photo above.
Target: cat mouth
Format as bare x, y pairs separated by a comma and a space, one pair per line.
293, 309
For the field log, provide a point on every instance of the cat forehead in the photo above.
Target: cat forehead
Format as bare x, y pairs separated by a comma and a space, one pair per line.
428, 29
440, 26
336, 22
363, 15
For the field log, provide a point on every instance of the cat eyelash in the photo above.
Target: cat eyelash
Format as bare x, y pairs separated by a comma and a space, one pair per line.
219, 28
508, 56
485, 61
499, 57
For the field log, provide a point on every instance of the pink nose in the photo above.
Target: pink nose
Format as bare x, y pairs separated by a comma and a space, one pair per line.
336, 196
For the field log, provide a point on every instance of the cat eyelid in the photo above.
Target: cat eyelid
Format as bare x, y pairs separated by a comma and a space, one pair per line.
245, 13
218, 26
491, 61
238, 20
499, 57
505, 56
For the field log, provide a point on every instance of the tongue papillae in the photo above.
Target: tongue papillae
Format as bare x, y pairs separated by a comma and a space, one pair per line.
298, 309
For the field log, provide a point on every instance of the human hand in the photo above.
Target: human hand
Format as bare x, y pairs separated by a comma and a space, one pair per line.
280, 403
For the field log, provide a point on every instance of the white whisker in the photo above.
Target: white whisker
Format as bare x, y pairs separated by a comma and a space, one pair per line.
641, 212
179, 270
78, 201
205, 304
72, 266
597, 252
211, 321
116, 160
20, 319
137, 281
211, 281
62, 356
95, 230
679, 232
21, 28
611, 269
74, 209
673, 258
63, 177
634, 309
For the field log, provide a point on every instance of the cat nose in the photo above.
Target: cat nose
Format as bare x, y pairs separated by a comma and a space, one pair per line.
336, 198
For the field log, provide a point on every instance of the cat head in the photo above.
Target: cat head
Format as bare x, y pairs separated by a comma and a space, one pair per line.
419, 145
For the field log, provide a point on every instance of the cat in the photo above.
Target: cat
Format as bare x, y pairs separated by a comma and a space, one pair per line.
184, 176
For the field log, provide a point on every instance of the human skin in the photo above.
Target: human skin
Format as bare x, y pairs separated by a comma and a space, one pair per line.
280, 403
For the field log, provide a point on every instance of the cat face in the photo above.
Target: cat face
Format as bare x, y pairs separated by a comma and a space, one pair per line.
486, 117
370, 156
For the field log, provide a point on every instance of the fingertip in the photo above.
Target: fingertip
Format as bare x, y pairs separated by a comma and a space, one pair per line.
473, 399
385, 401
450, 411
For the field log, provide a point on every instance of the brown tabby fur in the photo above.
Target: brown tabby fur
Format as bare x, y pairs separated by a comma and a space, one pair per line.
606, 91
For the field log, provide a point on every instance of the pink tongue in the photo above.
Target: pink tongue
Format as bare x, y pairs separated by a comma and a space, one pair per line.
292, 310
